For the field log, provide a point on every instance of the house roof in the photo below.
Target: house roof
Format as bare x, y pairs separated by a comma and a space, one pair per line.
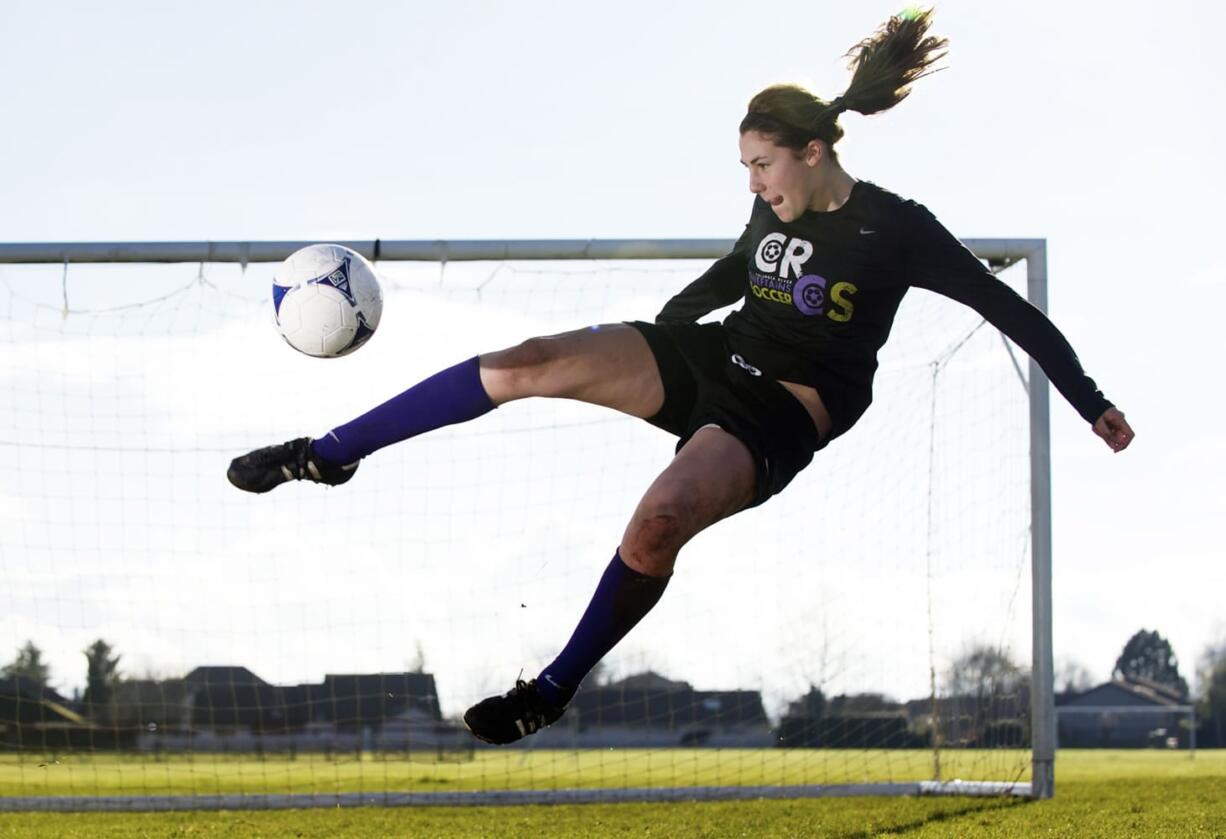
25, 710
410, 684
1156, 687
29, 689
218, 676
1139, 692
225, 696
649, 680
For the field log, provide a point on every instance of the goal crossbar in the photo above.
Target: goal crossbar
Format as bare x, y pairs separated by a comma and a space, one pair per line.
424, 250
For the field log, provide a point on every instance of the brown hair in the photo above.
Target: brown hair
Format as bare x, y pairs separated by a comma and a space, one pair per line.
883, 67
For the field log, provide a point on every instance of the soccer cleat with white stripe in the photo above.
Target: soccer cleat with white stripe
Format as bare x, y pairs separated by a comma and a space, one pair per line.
263, 469
518, 713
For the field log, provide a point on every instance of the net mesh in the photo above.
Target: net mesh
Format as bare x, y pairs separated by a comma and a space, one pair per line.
871, 624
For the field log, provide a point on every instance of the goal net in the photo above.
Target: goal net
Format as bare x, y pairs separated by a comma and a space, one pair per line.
868, 630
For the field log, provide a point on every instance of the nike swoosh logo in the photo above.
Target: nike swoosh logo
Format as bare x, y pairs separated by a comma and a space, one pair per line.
864, 231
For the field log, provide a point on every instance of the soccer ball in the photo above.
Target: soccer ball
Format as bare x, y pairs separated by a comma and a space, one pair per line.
326, 300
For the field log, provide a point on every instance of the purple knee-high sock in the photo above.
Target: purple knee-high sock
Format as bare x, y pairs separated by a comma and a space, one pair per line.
448, 397
621, 600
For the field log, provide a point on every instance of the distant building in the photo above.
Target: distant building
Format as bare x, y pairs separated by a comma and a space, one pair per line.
851, 730
35, 717
232, 709
21, 687
27, 707
233, 699
857, 721
360, 701
989, 721
150, 704
1125, 713
648, 710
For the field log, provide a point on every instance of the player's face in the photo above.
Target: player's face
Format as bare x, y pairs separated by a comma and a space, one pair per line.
783, 179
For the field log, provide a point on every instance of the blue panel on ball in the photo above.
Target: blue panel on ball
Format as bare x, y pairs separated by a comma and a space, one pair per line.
278, 294
362, 335
339, 280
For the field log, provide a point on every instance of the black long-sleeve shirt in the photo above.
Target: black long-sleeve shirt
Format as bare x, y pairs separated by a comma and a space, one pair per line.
821, 294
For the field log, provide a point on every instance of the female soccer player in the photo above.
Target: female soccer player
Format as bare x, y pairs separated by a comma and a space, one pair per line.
822, 266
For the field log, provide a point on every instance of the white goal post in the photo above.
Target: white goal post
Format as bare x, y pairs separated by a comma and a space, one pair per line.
998, 253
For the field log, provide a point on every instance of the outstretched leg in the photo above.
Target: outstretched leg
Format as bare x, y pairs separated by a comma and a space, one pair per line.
604, 365
712, 477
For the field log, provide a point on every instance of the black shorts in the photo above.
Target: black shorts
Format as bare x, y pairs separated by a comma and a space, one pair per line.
706, 383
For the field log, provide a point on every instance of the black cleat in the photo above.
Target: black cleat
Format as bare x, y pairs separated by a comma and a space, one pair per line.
263, 469
505, 719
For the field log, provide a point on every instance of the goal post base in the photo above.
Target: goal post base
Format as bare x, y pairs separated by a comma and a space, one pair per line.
171, 803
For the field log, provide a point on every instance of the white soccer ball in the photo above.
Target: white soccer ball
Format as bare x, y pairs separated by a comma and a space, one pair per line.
326, 300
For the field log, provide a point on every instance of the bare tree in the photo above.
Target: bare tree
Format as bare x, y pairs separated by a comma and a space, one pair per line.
596, 677
812, 705
418, 665
1072, 677
985, 686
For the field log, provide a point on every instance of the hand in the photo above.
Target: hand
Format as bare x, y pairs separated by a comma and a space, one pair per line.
1114, 429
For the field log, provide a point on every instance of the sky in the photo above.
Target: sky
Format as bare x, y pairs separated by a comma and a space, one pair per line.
1096, 128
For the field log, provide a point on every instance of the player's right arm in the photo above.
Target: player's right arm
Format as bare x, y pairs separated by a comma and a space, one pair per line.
722, 285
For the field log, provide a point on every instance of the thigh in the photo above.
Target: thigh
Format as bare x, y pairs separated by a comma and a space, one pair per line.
609, 365
712, 477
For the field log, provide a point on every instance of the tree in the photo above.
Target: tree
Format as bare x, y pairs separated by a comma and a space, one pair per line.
811, 705
985, 686
1148, 655
102, 672
29, 664
598, 676
801, 724
418, 665
1211, 702
986, 672
1072, 677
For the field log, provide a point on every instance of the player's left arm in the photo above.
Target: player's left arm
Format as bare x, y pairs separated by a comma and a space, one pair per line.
939, 262
1114, 429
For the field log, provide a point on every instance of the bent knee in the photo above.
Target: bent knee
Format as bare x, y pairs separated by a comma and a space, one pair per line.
655, 535
658, 530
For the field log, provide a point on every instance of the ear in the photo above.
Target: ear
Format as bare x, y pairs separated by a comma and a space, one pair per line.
814, 153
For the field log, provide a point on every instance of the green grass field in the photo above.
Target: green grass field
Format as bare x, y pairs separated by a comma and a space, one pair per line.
1099, 793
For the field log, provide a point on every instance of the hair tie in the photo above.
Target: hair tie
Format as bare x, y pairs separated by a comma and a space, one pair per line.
837, 106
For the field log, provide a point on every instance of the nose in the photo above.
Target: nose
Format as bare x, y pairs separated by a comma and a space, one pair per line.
755, 185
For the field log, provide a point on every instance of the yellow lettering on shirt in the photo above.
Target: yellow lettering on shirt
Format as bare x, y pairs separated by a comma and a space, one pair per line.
841, 307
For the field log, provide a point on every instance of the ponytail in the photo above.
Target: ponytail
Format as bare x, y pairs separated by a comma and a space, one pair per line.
883, 67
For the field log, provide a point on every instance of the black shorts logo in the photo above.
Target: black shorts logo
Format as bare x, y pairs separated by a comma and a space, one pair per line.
745, 365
